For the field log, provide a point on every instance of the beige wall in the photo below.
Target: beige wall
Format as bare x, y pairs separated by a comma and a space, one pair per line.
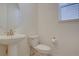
67, 33
29, 18
27, 26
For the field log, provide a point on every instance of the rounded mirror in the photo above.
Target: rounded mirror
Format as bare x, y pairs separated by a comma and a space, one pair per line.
10, 16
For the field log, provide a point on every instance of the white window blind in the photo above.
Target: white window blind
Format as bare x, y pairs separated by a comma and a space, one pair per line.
69, 11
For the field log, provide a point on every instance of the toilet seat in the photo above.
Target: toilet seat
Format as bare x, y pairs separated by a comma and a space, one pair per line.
43, 48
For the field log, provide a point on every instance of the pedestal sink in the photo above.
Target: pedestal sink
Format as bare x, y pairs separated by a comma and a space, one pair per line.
12, 41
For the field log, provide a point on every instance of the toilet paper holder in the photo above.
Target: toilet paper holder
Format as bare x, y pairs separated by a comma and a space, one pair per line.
53, 39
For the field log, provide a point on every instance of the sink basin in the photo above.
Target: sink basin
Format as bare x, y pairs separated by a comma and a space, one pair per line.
11, 39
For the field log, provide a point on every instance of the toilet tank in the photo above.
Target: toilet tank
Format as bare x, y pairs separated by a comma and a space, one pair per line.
34, 40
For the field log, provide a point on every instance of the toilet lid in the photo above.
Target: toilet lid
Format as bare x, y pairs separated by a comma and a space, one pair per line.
42, 47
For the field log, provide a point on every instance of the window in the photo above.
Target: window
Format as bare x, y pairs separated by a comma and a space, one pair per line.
69, 11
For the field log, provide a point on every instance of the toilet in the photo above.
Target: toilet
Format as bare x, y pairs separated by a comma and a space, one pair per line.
40, 49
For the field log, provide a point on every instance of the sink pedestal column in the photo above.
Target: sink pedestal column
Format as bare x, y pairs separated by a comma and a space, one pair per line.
12, 50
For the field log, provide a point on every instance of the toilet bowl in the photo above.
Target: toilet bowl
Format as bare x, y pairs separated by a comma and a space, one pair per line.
42, 49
